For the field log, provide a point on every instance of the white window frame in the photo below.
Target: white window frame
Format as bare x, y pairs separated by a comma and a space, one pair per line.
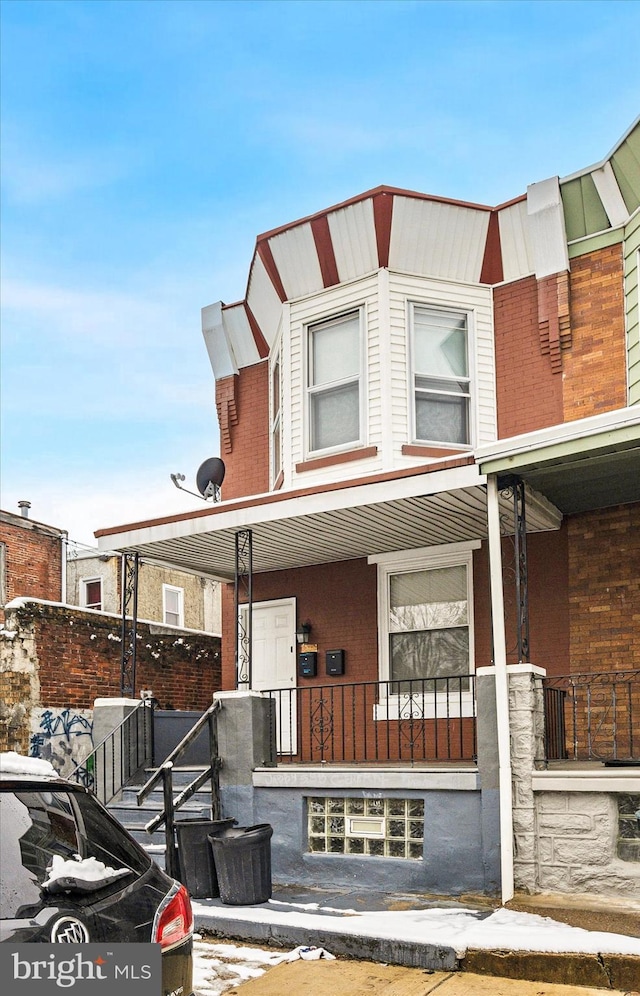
275, 417
422, 559
412, 306
84, 584
173, 589
310, 390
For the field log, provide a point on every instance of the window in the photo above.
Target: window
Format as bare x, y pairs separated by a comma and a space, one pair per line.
334, 371
428, 623
441, 382
92, 593
426, 628
385, 828
173, 605
276, 418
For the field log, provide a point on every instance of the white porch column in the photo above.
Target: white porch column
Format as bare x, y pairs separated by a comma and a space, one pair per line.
502, 690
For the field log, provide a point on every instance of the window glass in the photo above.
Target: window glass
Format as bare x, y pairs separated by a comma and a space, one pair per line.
93, 594
428, 623
335, 350
335, 417
334, 357
441, 376
173, 605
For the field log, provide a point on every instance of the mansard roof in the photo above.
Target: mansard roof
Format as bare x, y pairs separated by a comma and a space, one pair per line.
410, 232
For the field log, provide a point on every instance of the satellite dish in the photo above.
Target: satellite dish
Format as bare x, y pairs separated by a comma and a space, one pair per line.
209, 477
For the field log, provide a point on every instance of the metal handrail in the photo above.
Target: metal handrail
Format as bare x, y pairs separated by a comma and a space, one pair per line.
115, 761
164, 773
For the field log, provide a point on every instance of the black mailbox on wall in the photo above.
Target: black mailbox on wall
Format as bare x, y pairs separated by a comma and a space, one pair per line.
308, 664
335, 661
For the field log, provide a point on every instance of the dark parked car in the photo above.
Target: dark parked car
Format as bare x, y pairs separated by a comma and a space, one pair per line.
70, 872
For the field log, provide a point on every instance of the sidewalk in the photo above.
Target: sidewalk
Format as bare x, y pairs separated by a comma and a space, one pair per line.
356, 978
444, 937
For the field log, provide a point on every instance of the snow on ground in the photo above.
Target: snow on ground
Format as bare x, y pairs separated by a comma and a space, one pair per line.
459, 929
220, 966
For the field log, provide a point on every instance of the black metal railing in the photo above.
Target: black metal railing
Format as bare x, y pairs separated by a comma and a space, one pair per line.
164, 774
116, 761
593, 716
417, 720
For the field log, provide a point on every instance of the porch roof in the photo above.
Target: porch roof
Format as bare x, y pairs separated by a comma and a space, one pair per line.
426, 506
586, 464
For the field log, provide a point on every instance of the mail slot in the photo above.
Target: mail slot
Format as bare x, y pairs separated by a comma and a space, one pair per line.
308, 664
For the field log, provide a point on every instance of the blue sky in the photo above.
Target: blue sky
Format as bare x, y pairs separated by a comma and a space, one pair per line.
146, 143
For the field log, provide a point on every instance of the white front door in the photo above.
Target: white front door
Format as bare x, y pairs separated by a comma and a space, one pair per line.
273, 663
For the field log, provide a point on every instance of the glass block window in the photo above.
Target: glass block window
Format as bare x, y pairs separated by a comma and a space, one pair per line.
385, 828
629, 827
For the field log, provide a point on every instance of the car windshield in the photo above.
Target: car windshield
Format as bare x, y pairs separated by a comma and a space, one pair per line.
40, 825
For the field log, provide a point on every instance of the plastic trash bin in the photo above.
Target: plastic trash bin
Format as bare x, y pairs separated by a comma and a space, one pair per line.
197, 870
242, 858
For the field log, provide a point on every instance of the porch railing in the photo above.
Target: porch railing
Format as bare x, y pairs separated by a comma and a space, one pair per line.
418, 720
593, 716
124, 752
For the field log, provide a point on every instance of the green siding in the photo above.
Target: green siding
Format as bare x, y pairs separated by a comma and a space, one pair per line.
625, 163
631, 253
583, 210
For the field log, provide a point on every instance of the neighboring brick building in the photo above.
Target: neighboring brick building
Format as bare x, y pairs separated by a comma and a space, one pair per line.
56, 659
32, 556
430, 419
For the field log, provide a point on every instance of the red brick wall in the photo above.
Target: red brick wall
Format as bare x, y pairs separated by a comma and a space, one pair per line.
340, 602
595, 378
33, 562
604, 589
79, 660
247, 465
548, 602
529, 394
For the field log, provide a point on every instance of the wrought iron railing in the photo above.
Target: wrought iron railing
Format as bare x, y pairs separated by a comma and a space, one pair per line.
593, 716
164, 774
115, 761
417, 720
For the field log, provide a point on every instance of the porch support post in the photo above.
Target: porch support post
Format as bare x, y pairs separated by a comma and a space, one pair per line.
130, 566
502, 690
244, 596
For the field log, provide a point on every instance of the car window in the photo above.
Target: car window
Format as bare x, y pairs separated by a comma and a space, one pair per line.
105, 839
35, 826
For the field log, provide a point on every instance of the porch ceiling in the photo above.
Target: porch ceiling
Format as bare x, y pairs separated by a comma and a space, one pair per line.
293, 532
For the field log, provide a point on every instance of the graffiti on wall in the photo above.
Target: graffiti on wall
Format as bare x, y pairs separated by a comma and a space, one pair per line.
64, 738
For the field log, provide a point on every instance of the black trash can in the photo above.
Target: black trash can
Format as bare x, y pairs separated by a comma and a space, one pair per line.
197, 870
242, 858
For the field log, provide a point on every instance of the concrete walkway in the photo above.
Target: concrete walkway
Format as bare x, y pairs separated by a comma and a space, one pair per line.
435, 936
357, 978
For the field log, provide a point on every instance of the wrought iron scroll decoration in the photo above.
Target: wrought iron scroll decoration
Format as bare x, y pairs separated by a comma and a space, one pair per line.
129, 634
513, 488
244, 600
